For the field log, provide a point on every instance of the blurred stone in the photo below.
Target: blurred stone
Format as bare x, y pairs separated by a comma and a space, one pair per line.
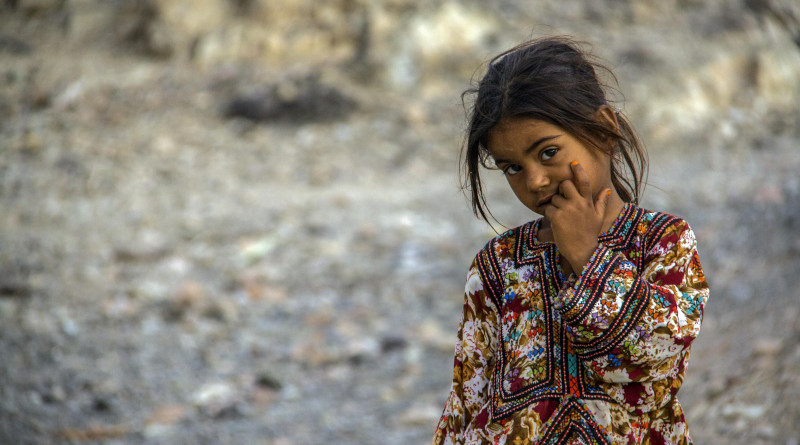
158, 431
14, 46
162, 27
314, 352
36, 7
222, 309
94, 433
361, 348
765, 431
167, 415
716, 386
253, 251
67, 323
391, 343
767, 346
102, 404
750, 412
14, 288
257, 288
778, 76
432, 334
162, 421
298, 100
266, 379
70, 96
51, 394
219, 399
139, 254
419, 415
30, 142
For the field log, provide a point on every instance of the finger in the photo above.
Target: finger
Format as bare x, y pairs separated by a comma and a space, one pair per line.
568, 190
549, 212
558, 200
601, 202
581, 179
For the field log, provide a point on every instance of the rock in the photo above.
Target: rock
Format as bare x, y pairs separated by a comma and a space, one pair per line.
163, 28
94, 433
297, 100
102, 404
139, 254
750, 412
165, 416
778, 74
222, 309
767, 346
67, 323
253, 251
70, 96
37, 7
765, 431
432, 335
191, 295
51, 394
14, 46
361, 348
419, 415
265, 379
14, 288
219, 399
391, 343
30, 142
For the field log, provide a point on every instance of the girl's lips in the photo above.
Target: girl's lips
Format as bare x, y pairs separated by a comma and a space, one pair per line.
545, 200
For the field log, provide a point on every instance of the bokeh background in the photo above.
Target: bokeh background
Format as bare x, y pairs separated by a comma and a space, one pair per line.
239, 221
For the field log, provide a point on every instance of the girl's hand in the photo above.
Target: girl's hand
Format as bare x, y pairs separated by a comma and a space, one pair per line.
576, 218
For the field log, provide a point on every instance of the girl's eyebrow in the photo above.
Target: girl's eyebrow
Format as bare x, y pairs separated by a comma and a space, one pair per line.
529, 149
540, 142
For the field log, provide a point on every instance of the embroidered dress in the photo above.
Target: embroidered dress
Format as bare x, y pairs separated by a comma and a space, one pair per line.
595, 359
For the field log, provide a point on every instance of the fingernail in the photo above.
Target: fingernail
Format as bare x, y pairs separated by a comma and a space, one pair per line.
608, 193
574, 163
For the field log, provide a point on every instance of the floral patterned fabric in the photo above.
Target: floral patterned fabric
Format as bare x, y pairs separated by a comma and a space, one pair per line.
595, 359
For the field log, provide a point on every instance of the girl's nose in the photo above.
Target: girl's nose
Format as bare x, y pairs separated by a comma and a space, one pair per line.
536, 179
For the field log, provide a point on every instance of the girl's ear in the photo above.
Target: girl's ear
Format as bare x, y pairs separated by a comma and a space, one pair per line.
607, 113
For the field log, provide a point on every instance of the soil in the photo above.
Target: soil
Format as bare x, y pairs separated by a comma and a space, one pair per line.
172, 271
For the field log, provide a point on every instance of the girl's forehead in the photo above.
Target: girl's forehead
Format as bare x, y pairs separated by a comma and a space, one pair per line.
516, 130
525, 124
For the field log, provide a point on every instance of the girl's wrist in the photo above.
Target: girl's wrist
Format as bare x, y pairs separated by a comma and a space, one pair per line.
579, 262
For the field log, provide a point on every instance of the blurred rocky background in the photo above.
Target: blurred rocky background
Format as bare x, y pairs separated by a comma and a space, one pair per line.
239, 221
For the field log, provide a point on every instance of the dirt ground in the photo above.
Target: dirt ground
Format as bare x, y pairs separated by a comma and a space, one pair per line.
174, 272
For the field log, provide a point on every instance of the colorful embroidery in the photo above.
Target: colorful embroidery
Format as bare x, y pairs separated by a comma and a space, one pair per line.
546, 359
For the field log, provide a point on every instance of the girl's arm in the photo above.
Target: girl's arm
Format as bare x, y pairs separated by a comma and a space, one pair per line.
635, 327
474, 361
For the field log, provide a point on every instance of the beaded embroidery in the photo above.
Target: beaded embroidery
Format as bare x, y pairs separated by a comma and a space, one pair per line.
594, 359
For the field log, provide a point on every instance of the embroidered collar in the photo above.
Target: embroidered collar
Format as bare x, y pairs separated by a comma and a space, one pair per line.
618, 236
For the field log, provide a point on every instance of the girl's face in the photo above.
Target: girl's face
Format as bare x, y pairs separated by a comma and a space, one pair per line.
535, 158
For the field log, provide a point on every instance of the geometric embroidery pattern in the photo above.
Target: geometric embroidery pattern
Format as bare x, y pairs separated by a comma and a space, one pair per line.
595, 358
572, 423
554, 367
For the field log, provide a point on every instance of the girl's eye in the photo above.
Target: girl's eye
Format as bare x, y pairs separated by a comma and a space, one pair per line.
512, 170
548, 153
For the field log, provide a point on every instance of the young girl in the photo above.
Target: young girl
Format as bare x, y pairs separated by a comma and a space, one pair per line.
576, 326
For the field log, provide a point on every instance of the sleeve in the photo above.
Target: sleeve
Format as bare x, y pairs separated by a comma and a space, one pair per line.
632, 326
473, 364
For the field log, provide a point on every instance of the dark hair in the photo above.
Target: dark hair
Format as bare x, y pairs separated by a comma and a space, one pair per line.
549, 79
